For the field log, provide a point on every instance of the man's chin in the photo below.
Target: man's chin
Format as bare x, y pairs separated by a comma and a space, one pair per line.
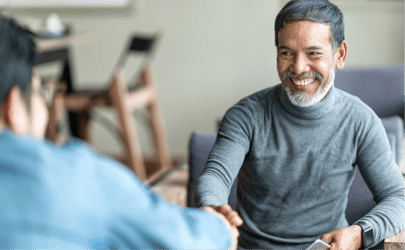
305, 99
297, 91
299, 98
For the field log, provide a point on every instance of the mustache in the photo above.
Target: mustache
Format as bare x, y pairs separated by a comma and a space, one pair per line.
303, 75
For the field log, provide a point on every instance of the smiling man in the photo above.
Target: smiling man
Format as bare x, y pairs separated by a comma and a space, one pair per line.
294, 147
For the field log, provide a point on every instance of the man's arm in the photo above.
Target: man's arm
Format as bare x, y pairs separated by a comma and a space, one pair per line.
226, 157
138, 218
383, 177
377, 165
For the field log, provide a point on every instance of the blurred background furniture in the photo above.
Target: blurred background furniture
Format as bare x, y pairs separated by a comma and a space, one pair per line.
54, 49
141, 95
373, 86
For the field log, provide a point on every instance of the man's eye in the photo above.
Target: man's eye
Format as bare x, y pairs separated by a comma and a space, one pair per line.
285, 53
313, 53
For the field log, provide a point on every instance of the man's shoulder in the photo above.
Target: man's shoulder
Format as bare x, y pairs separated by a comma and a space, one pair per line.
259, 95
258, 98
353, 106
69, 159
87, 156
73, 161
253, 104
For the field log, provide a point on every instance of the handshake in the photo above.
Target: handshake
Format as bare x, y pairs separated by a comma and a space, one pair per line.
342, 238
230, 217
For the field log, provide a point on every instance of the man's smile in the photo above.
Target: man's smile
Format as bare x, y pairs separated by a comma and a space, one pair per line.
302, 84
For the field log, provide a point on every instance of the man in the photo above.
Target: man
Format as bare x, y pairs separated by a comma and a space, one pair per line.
70, 196
294, 147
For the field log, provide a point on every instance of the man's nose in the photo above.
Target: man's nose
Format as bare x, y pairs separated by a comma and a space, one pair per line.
299, 65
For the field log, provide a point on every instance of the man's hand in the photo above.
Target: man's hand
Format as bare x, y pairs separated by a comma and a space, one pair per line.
226, 210
344, 238
230, 218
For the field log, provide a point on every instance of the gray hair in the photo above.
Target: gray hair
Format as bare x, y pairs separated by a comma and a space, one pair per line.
321, 11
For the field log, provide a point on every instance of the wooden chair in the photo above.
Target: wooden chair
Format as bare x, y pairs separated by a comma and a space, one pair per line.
124, 101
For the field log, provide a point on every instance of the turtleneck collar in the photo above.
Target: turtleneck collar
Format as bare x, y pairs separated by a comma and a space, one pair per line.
313, 112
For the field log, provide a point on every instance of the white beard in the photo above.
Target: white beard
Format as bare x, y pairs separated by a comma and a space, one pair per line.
303, 99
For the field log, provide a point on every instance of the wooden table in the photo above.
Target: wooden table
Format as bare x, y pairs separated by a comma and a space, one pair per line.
174, 186
52, 44
395, 242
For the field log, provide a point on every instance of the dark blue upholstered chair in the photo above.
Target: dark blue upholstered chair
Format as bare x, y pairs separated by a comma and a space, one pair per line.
380, 88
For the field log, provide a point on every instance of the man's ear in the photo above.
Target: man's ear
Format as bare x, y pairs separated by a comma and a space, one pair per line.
15, 113
340, 56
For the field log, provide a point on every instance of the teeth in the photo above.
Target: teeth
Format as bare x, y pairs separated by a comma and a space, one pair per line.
302, 83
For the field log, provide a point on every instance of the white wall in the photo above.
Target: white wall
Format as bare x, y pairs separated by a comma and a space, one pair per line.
213, 53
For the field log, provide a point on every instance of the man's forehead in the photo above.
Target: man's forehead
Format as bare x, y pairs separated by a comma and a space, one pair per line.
316, 47
306, 22
309, 34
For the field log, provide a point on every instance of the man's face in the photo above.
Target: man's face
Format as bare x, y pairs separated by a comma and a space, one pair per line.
305, 61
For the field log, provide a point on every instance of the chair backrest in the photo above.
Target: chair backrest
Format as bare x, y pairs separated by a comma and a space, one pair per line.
140, 44
380, 88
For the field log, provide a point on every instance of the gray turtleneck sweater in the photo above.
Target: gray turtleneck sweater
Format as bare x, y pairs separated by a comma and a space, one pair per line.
299, 166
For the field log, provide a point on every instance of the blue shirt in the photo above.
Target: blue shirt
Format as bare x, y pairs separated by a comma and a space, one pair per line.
72, 197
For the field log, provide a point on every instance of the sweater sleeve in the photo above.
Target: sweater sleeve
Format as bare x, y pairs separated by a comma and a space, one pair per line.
381, 173
138, 218
226, 157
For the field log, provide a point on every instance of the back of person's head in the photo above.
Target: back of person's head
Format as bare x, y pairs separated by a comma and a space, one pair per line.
17, 56
321, 11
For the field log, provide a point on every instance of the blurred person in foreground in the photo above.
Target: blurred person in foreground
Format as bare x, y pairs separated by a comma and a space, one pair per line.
70, 196
294, 147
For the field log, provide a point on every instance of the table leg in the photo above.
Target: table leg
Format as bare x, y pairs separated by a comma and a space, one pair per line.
78, 122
